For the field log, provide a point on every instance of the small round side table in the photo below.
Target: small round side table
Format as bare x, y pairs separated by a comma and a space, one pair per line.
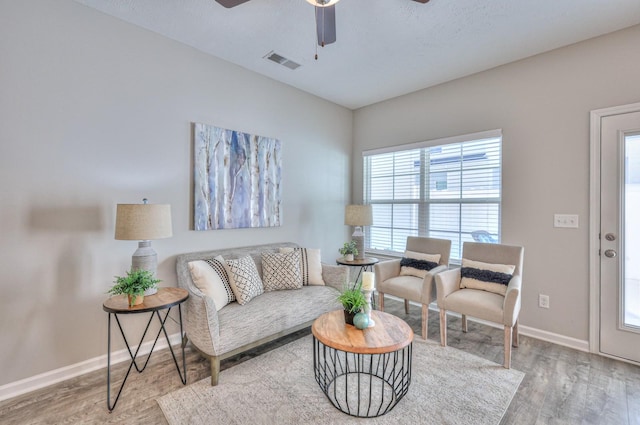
365, 264
164, 299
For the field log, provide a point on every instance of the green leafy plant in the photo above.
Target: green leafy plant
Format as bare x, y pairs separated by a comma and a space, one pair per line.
349, 248
352, 298
133, 284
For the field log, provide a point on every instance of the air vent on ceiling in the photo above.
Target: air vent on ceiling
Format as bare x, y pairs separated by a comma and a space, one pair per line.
279, 59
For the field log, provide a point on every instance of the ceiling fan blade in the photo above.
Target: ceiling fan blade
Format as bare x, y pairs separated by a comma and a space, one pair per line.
231, 3
326, 25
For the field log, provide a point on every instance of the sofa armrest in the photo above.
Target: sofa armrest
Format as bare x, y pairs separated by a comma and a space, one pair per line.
511, 305
335, 276
201, 323
447, 282
385, 270
428, 284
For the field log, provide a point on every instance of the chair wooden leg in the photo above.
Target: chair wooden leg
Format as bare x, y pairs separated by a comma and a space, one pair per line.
443, 328
215, 370
380, 301
425, 320
515, 335
406, 306
464, 323
507, 347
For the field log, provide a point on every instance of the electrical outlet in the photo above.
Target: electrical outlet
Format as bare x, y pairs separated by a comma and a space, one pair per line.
543, 301
565, 220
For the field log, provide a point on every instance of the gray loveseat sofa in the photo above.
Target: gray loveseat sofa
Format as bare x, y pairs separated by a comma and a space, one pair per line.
237, 328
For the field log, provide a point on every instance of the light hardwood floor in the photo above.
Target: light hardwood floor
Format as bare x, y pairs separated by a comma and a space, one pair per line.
561, 386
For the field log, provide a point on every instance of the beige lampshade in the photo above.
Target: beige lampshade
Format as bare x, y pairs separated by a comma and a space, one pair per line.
143, 222
358, 215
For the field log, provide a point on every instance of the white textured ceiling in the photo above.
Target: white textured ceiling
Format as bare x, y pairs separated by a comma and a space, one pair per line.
384, 48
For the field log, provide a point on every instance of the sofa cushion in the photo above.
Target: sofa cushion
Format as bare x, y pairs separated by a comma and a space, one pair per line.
245, 280
310, 265
211, 277
479, 304
405, 287
281, 271
418, 263
486, 276
272, 313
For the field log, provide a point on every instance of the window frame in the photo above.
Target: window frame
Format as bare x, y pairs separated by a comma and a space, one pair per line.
424, 201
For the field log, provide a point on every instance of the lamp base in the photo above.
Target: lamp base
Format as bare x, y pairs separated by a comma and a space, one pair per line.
358, 238
145, 258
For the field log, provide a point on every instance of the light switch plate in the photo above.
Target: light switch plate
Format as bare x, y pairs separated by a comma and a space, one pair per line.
565, 220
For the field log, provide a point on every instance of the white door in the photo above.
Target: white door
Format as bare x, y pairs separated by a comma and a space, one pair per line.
619, 237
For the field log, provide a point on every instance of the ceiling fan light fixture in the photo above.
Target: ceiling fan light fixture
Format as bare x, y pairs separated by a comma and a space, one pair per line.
322, 3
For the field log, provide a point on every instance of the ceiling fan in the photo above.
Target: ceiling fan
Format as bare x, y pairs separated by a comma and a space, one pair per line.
325, 17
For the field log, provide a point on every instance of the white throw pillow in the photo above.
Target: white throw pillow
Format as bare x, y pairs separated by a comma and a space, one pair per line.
281, 271
310, 265
211, 277
418, 263
486, 276
245, 280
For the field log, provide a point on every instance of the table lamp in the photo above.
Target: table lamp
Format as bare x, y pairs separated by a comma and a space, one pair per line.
358, 216
143, 222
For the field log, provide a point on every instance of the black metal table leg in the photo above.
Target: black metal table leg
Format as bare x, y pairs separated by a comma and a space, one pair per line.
133, 363
362, 385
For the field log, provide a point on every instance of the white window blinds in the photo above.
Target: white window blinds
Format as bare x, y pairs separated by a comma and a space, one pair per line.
448, 189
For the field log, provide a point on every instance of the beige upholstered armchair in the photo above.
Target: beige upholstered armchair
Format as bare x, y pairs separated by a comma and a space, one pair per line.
411, 281
487, 287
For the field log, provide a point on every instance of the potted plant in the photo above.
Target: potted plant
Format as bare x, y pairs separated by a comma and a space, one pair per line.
349, 250
353, 301
133, 285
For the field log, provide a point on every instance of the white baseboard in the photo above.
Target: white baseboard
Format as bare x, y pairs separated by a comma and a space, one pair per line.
554, 338
565, 341
37, 382
42, 380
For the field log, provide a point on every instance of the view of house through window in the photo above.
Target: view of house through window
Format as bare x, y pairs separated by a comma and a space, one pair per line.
448, 189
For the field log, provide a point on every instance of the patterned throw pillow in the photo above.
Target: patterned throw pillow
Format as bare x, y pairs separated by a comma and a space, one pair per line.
211, 277
310, 265
486, 276
418, 264
245, 280
281, 271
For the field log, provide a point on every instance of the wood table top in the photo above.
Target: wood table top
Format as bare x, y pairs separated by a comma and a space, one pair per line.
389, 334
164, 298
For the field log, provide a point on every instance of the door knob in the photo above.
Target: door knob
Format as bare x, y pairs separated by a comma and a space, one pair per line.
610, 253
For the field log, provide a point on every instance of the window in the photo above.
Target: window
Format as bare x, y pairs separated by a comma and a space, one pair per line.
447, 188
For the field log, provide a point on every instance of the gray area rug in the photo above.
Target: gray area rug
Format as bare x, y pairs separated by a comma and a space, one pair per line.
448, 386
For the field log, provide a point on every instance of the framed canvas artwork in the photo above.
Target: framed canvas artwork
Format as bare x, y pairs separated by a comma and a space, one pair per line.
237, 179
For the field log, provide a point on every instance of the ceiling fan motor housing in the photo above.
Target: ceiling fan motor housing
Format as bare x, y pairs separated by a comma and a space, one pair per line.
322, 3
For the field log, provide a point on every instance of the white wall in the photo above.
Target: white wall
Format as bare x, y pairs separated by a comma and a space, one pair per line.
542, 104
95, 112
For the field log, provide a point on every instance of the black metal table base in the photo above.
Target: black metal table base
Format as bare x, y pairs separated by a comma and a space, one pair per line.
362, 385
365, 268
162, 321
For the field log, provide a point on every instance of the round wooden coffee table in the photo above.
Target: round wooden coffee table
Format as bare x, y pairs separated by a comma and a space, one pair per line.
364, 373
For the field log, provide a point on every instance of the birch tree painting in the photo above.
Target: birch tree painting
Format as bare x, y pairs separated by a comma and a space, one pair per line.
237, 179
